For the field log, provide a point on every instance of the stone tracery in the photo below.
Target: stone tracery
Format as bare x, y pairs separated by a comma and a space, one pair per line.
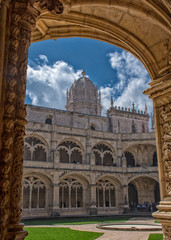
71, 194
34, 193
70, 152
35, 150
105, 194
103, 155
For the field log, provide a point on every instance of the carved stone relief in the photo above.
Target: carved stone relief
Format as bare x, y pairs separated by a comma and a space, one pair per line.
165, 122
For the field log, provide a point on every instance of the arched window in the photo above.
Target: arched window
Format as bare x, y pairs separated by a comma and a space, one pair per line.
48, 121
39, 154
71, 193
92, 127
130, 159
70, 152
155, 163
34, 149
34, 193
103, 155
105, 194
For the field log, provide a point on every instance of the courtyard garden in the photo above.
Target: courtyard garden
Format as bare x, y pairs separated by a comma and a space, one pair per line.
156, 236
52, 233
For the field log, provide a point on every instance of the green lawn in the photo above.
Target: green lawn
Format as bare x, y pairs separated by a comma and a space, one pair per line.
50, 233
74, 221
156, 236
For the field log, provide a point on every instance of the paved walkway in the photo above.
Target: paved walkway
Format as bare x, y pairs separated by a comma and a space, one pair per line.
114, 235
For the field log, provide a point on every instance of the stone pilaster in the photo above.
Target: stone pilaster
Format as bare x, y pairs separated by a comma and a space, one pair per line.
125, 198
160, 92
93, 209
56, 211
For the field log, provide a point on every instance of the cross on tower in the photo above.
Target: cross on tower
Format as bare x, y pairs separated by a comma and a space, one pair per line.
83, 73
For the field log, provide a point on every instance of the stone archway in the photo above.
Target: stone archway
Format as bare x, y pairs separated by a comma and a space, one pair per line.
132, 25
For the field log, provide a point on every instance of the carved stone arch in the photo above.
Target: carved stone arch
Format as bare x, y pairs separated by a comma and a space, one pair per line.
103, 191
72, 140
38, 197
85, 180
155, 178
146, 189
70, 153
108, 145
115, 179
43, 176
117, 34
74, 190
104, 154
130, 158
38, 137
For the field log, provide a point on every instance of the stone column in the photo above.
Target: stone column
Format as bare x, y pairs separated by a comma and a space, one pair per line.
160, 92
10, 132
125, 198
19, 55
16, 23
3, 36
93, 209
56, 187
56, 211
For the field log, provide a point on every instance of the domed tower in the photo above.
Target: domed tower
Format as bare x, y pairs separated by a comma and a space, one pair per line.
84, 97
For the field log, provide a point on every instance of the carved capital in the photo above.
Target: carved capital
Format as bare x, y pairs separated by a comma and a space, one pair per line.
160, 90
53, 6
4, 2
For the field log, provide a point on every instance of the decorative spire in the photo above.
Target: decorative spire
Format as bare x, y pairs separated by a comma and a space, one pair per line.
99, 97
67, 93
83, 73
145, 111
133, 106
111, 102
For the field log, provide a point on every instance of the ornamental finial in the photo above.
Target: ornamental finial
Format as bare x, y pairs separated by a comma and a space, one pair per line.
83, 73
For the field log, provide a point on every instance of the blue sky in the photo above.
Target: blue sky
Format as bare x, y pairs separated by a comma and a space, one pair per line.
54, 65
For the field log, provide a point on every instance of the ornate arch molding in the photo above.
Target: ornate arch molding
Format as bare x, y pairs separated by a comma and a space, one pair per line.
43, 177
38, 137
106, 144
114, 179
72, 140
84, 180
132, 146
118, 34
143, 176
160, 11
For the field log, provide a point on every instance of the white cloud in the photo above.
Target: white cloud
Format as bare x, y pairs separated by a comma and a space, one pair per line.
132, 80
47, 85
43, 58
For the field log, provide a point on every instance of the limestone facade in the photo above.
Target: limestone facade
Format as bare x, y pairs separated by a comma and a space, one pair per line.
76, 163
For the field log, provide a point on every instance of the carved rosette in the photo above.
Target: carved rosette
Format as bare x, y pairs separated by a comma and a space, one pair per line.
165, 122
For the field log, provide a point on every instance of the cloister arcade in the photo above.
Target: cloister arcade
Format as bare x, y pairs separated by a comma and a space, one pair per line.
141, 155
132, 25
74, 192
